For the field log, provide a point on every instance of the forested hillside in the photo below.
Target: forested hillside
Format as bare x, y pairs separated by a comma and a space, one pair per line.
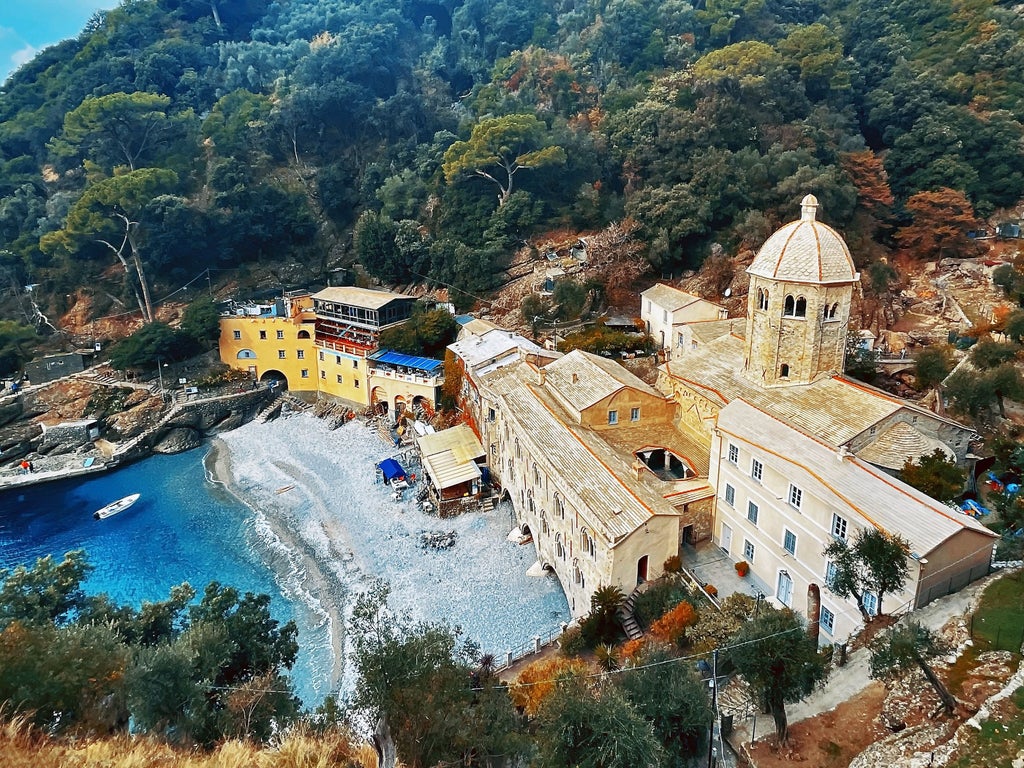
428, 140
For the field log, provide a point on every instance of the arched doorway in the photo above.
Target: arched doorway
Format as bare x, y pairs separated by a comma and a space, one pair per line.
379, 400
399, 405
641, 570
275, 380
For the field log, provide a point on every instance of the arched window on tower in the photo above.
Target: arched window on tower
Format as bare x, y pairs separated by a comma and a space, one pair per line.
784, 371
789, 308
762, 298
832, 312
801, 307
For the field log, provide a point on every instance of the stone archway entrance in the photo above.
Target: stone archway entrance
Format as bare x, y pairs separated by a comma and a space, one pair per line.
275, 380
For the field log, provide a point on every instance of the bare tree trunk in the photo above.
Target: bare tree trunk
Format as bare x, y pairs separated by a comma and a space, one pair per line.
216, 13
948, 702
148, 313
781, 721
384, 744
118, 252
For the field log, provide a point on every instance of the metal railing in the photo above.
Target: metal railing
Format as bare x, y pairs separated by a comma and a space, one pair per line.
536, 645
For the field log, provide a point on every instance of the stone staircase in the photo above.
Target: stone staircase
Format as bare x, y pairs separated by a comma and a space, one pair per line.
629, 622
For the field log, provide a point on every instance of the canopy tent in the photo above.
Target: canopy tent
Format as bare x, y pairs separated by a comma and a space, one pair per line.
388, 357
391, 470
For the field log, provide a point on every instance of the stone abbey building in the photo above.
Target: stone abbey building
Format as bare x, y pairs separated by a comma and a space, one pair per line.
753, 440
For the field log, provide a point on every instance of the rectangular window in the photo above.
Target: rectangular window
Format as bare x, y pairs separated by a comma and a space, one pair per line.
321, 355
280, 334
301, 354
355, 383
789, 542
305, 373
491, 414
752, 512
323, 374
613, 417
263, 334
734, 453
339, 379
355, 364
838, 527
748, 550
634, 414
280, 354
871, 604
827, 620
730, 495
237, 335
796, 496
664, 315
830, 572
756, 470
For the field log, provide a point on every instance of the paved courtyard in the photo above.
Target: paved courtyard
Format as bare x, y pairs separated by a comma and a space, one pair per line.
711, 565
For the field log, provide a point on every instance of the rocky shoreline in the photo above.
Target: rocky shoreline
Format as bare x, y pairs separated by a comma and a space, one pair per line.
74, 427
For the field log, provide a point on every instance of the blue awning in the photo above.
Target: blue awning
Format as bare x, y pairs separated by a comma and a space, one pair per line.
391, 469
388, 357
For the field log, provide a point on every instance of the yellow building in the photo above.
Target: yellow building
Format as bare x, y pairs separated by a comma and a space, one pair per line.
273, 341
328, 343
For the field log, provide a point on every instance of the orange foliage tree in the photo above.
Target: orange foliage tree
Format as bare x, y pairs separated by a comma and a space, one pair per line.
671, 627
941, 221
868, 175
537, 682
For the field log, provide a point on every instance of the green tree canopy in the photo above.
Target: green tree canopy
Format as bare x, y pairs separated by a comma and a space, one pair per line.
121, 129
875, 562
936, 474
778, 659
499, 147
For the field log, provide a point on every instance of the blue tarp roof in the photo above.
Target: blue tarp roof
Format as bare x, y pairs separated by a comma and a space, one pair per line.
391, 469
409, 361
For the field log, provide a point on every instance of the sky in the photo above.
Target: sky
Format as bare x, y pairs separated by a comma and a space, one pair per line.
28, 26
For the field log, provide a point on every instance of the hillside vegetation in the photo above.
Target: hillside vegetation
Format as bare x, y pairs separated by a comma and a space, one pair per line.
426, 141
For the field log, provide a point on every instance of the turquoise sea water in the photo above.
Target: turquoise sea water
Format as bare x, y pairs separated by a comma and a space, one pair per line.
183, 528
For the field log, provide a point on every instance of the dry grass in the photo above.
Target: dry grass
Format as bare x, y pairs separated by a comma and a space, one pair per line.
22, 746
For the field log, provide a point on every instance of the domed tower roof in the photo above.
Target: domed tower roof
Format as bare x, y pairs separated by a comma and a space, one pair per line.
805, 251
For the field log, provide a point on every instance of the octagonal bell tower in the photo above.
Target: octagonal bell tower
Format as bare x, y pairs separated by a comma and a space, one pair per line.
798, 307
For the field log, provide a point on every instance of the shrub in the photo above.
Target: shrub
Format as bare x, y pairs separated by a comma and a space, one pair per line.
671, 628
538, 681
660, 597
673, 564
571, 642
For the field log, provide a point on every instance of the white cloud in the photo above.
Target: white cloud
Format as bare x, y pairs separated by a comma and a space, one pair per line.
19, 57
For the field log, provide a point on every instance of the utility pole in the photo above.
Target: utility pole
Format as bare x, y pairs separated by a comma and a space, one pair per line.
714, 708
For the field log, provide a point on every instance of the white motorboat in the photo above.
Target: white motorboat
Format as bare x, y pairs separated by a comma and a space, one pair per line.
116, 506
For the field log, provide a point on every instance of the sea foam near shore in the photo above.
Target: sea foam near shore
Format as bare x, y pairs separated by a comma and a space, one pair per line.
335, 530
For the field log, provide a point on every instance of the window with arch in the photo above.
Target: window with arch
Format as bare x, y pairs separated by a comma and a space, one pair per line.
789, 306
801, 307
589, 546
762, 298
544, 522
536, 474
559, 549
831, 312
519, 453
303, 334
577, 574
529, 502
784, 371
559, 507
246, 354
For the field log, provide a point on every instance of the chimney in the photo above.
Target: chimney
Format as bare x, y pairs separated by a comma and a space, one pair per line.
575, 378
543, 376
